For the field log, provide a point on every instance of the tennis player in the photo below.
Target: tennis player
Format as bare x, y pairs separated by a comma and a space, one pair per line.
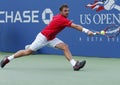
47, 37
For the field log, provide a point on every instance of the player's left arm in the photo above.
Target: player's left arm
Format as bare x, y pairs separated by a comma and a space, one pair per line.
82, 29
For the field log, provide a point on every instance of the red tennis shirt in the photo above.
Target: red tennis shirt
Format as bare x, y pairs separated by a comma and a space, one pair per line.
58, 23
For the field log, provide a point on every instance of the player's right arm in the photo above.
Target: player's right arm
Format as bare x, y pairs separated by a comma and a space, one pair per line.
82, 29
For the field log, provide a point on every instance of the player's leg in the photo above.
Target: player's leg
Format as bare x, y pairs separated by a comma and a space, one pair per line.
57, 43
39, 42
18, 54
22, 53
66, 51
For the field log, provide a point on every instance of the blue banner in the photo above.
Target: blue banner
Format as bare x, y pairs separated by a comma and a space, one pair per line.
21, 21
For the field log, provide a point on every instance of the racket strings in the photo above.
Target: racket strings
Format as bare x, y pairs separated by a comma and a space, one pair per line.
112, 31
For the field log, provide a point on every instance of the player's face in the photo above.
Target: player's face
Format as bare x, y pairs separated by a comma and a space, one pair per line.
65, 12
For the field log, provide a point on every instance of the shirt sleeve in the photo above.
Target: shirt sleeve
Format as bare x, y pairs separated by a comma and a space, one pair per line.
68, 23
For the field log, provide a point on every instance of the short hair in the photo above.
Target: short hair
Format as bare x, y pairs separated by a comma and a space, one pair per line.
63, 6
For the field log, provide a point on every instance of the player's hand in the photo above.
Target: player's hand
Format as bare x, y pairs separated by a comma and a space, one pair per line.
90, 33
97, 33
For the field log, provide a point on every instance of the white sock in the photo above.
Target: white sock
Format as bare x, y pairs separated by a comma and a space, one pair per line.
11, 57
73, 62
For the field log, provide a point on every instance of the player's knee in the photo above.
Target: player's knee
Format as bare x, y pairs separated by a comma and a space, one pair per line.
28, 52
65, 47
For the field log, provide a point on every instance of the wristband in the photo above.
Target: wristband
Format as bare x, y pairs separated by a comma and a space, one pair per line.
85, 30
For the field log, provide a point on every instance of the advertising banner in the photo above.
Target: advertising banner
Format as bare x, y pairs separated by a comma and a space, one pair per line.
21, 21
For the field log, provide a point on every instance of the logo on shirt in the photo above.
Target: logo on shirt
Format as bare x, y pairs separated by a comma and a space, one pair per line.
100, 5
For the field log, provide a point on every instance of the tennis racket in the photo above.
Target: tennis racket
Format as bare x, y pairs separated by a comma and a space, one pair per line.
110, 31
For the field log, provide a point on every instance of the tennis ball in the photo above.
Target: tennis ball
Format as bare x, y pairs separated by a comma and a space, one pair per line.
102, 32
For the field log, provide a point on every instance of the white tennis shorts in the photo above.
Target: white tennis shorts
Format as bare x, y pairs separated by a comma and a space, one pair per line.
42, 41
